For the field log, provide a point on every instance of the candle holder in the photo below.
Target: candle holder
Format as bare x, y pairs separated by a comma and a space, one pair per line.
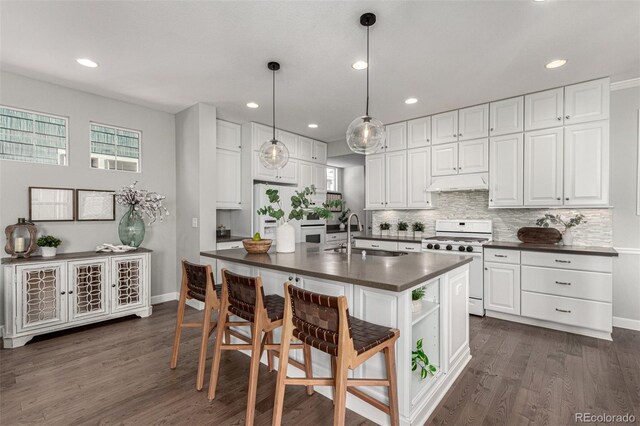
21, 238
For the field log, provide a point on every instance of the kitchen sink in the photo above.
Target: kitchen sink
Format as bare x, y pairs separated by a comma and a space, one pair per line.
370, 252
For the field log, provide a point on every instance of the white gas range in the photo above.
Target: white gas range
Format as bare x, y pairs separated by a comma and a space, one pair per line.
464, 237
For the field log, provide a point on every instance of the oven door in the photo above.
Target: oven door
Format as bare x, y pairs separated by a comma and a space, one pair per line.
313, 233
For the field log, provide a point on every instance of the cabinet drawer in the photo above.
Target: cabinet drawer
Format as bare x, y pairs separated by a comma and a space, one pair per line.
229, 245
502, 256
377, 245
566, 310
567, 261
415, 247
336, 237
563, 282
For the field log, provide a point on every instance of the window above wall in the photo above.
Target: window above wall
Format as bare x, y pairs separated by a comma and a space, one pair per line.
115, 148
33, 137
332, 179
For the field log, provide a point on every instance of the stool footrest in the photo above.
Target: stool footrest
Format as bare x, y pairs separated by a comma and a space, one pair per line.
369, 399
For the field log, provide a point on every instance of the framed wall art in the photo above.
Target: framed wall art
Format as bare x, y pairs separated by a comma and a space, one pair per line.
51, 204
95, 204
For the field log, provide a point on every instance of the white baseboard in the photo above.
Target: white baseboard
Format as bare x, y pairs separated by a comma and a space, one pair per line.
161, 298
631, 324
195, 304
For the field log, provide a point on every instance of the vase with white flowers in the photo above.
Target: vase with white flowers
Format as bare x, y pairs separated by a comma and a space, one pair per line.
139, 203
567, 222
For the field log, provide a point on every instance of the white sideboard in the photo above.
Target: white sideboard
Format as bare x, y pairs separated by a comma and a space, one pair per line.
42, 295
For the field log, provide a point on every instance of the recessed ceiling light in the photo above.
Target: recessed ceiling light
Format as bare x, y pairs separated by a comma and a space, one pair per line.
253, 105
410, 101
313, 126
87, 62
556, 64
360, 65
538, 0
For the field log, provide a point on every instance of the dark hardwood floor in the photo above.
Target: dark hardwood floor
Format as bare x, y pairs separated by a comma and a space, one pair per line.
118, 373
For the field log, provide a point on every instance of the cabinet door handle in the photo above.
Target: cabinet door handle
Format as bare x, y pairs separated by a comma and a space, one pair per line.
567, 199
486, 269
558, 198
428, 140
500, 255
113, 285
459, 134
562, 283
559, 118
62, 292
290, 278
491, 200
567, 117
70, 292
297, 279
375, 245
491, 129
566, 311
562, 261
454, 168
455, 135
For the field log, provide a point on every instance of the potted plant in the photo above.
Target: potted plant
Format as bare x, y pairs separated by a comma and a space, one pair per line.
403, 227
416, 299
139, 202
420, 359
418, 229
300, 204
384, 228
49, 244
567, 222
344, 217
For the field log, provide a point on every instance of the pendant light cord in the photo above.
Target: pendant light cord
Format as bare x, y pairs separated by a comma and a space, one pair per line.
367, 112
274, 106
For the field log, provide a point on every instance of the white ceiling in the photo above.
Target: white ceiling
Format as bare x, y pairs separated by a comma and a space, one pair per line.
170, 55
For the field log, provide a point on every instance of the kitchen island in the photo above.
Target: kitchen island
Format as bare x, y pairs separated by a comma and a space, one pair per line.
378, 289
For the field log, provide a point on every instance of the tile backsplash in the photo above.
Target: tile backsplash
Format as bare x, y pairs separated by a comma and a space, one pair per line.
598, 231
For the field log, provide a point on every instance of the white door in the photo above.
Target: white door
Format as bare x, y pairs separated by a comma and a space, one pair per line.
473, 122
261, 134
502, 287
229, 176
419, 132
544, 109
473, 156
290, 141
88, 288
305, 174
320, 177
506, 116
320, 152
260, 172
40, 295
396, 179
586, 101
305, 148
418, 177
228, 135
127, 283
506, 171
374, 181
289, 173
444, 160
543, 168
444, 127
396, 136
586, 164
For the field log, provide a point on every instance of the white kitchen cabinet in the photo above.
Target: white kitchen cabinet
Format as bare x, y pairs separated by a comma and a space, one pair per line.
506, 171
41, 300
375, 192
128, 278
228, 179
306, 174
320, 177
89, 288
544, 109
458, 315
419, 178
228, 135
502, 287
287, 174
444, 127
259, 135
473, 122
290, 140
419, 132
260, 172
444, 159
587, 101
506, 116
320, 152
586, 164
543, 167
396, 179
396, 137
473, 156
305, 148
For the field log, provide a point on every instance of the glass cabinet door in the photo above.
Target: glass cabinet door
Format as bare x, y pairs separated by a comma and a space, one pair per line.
87, 288
41, 293
127, 277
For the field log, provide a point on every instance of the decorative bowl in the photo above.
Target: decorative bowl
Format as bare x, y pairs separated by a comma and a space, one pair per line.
261, 246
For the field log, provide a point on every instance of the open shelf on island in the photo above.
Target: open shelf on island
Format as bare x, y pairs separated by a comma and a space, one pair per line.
428, 308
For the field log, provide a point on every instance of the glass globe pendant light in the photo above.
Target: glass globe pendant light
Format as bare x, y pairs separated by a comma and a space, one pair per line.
365, 135
273, 153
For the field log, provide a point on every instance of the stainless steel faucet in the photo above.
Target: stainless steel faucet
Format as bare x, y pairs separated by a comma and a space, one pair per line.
349, 231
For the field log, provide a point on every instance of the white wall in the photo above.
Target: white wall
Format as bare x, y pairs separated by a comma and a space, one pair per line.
158, 169
353, 190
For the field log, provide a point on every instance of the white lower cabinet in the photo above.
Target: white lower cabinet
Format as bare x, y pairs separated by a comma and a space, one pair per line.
502, 287
458, 315
40, 297
89, 295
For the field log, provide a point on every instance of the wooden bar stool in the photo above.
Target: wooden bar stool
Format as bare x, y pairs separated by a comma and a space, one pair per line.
244, 297
197, 283
324, 323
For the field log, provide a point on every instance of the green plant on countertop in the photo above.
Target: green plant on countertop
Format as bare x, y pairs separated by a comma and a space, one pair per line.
49, 241
418, 293
300, 205
385, 226
344, 216
417, 227
420, 359
557, 219
403, 226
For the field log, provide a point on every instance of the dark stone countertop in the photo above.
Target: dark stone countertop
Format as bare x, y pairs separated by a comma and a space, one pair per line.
408, 239
386, 273
334, 229
69, 256
554, 248
231, 239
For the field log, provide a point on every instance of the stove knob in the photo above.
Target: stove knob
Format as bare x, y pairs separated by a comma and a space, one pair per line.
461, 248
449, 247
469, 249
429, 246
437, 247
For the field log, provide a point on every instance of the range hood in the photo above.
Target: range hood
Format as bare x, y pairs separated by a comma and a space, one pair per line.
470, 182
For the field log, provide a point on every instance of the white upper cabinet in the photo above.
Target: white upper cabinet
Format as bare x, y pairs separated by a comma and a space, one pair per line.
444, 127
310, 150
289, 173
506, 116
228, 179
320, 177
290, 141
305, 174
506, 171
473, 156
228, 135
305, 148
260, 172
396, 179
396, 136
444, 160
375, 193
419, 132
260, 134
586, 101
320, 152
473, 122
543, 167
544, 109
418, 178
586, 164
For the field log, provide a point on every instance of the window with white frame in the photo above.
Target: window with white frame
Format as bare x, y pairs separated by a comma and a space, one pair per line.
332, 179
33, 137
115, 148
